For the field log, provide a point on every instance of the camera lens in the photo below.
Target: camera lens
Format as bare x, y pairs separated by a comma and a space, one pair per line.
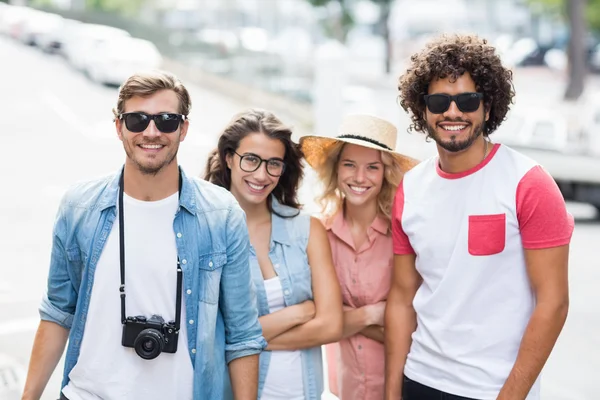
149, 344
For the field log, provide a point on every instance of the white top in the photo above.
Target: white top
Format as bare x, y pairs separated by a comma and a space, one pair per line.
469, 232
284, 378
105, 369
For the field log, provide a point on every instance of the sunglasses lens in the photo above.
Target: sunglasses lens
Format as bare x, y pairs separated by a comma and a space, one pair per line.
136, 122
468, 102
438, 103
167, 123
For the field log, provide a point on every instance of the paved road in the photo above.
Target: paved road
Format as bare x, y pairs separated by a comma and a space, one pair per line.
55, 129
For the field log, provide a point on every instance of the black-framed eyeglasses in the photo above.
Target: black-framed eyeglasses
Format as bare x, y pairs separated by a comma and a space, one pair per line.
138, 121
251, 162
439, 103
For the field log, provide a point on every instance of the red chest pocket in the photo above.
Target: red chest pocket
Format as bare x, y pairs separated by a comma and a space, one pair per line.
487, 234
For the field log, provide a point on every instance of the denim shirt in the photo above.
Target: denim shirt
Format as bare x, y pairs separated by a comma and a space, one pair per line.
287, 251
212, 244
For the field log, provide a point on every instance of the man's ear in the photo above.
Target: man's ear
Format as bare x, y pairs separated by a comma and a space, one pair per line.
119, 128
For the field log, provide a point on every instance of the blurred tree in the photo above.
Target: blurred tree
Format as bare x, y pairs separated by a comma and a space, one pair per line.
578, 13
129, 7
577, 51
339, 26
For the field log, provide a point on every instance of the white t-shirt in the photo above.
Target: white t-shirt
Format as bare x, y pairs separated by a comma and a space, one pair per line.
105, 369
284, 379
469, 232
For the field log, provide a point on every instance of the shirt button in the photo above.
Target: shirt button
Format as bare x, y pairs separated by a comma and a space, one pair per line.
210, 264
353, 280
189, 291
286, 292
179, 234
359, 347
276, 266
184, 261
191, 322
193, 351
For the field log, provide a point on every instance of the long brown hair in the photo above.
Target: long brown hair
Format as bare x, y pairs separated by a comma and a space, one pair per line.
265, 122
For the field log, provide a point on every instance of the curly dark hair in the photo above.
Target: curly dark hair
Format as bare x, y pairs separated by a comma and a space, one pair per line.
258, 121
450, 56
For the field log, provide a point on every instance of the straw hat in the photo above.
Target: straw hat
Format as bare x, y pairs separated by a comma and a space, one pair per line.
359, 129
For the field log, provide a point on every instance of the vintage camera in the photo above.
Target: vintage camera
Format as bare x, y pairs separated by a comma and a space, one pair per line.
150, 337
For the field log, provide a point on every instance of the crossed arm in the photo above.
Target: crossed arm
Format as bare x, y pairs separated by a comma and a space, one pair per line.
298, 327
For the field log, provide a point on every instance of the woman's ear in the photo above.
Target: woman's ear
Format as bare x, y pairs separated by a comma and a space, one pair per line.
229, 160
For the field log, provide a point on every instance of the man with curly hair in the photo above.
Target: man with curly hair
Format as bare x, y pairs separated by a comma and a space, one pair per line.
481, 241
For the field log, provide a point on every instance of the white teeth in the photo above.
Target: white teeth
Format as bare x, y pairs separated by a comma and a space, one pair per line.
358, 189
256, 187
151, 146
454, 127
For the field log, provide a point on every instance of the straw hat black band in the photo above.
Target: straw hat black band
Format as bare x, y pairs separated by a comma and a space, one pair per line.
366, 139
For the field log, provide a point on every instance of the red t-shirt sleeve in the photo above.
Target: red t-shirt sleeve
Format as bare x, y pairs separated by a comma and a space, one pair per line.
543, 218
401, 242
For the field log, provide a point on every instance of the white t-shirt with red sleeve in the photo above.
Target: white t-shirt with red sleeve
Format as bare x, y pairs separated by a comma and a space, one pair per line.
469, 232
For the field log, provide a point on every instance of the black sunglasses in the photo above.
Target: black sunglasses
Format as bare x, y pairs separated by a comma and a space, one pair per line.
138, 121
439, 103
251, 162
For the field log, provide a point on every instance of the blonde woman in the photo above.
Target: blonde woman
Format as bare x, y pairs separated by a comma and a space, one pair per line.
360, 173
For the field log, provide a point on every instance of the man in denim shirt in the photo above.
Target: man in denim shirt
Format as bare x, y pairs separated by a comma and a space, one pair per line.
179, 243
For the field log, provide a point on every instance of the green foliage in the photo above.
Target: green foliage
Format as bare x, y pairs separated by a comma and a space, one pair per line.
592, 11
340, 27
129, 7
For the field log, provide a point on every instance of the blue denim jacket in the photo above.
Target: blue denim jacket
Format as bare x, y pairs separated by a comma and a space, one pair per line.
212, 244
287, 251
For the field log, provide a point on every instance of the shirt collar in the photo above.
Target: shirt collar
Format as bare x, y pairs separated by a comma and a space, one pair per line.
337, 225
279, 227
187, 200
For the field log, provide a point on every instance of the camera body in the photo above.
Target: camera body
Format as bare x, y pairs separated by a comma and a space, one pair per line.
150, 337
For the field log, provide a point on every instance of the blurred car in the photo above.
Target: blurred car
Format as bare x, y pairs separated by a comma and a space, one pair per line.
544, 136
113, 61
84, 39
12, 18
534, 128
36, 24
53, 40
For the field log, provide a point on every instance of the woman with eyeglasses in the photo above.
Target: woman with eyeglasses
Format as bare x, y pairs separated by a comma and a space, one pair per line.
298, 296
360, 172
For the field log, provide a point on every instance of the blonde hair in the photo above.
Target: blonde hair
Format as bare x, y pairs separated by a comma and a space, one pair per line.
145, 84
332, 200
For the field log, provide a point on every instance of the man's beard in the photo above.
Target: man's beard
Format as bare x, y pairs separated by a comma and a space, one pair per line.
454, 145
150, 169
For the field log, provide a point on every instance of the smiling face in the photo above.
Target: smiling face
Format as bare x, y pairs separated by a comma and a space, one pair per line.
151, 151
454, 130
360, 174
253, 188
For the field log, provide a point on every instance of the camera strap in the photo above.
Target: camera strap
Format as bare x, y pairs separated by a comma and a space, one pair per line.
122, 257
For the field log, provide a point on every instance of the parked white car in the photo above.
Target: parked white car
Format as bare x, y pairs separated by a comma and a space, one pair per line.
84, 40
113, 61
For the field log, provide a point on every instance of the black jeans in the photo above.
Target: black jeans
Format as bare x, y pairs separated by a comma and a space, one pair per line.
63, 397
412, 390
